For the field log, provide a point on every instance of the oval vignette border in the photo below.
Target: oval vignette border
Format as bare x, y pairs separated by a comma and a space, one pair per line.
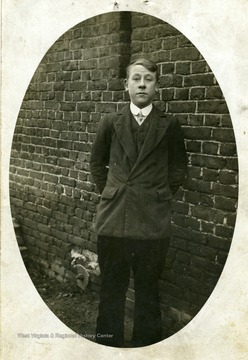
57, 75
239, 150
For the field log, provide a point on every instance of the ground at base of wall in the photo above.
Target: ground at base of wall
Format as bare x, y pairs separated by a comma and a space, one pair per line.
76, 309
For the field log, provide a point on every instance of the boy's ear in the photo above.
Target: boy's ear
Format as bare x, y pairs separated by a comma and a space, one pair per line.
126, 84
157, 87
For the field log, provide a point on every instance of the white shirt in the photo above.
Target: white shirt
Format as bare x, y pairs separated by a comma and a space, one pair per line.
145, 112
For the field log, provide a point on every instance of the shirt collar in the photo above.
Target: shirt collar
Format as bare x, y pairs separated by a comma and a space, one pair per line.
135, 110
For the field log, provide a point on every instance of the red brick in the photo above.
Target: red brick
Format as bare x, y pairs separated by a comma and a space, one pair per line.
225, 135
228, 149
182, 94
182, 107
168, 68
228, 177
199, 80
185, 54
197, 93
216, 107
224, 203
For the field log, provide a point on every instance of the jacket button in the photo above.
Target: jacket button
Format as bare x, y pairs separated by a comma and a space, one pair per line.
129, 183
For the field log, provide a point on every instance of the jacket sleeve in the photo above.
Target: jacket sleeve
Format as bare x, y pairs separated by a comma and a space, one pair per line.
99, 159
177, 158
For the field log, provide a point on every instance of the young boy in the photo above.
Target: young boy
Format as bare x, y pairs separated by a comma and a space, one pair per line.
138, 161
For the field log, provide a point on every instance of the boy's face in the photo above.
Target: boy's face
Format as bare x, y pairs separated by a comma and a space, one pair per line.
142, 85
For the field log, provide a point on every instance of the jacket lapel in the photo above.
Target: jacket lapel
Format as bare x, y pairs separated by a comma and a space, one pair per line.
124, 134
156, 131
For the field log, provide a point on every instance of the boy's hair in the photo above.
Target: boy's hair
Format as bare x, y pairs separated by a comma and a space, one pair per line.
148, 64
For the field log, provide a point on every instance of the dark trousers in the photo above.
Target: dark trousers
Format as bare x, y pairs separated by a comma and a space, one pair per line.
116, 258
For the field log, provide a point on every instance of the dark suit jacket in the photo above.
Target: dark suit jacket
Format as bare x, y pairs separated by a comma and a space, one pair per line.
136, 191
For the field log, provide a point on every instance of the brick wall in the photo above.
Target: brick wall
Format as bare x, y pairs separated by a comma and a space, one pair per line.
52, 195
204, 211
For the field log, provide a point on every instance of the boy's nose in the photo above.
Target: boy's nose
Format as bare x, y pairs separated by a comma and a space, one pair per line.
142, 83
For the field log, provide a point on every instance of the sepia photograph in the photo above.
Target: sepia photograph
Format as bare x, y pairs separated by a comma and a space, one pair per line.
123, 191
